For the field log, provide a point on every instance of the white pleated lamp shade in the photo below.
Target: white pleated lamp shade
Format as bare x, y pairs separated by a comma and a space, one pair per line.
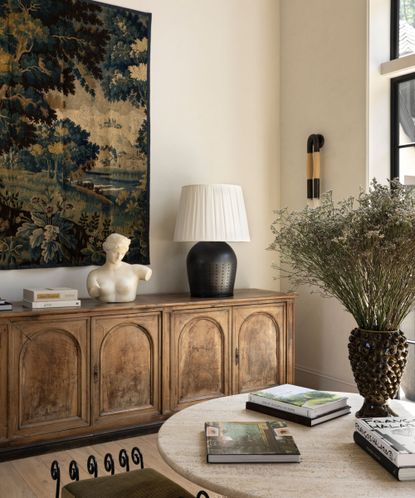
212, 213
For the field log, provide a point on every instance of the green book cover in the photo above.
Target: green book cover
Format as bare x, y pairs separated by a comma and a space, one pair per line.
299, 396
251, 439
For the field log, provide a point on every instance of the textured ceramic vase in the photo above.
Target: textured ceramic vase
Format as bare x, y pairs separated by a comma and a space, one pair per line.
378, 360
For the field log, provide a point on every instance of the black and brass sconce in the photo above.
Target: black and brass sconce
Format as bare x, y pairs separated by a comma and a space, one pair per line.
314, 143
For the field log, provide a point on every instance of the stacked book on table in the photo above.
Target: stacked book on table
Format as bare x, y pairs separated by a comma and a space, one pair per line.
298, 404
56, 297
5, 305
250, 442
391, 441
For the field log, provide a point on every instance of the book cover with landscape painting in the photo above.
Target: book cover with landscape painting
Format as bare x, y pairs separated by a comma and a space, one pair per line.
243, 442
300, 400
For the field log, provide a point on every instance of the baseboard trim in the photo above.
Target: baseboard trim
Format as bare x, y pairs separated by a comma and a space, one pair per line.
316, 379
12, 453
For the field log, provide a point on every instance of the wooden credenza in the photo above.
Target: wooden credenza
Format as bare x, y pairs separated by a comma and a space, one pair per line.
113, 369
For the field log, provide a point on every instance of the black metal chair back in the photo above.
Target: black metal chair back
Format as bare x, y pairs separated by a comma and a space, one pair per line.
109, 466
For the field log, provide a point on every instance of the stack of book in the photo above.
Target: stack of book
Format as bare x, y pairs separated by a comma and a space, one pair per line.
250, 442
5, 305
57, 297
298, 404
391, 441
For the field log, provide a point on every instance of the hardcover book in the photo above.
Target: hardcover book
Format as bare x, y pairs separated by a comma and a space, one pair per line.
5, 306
250, 442
401, 473
50, 294
39, 305
299, 419
299, 400
394, 437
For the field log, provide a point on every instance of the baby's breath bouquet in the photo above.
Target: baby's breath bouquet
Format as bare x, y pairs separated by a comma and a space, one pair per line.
361, 251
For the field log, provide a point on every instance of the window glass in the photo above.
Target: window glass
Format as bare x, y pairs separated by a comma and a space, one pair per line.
406, 27
407, 165
406, 109
403, 129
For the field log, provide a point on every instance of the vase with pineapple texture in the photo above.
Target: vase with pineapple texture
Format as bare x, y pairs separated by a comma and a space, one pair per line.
378, 359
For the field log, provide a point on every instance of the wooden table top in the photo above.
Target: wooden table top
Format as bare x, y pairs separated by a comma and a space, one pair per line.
144, 302
332, 465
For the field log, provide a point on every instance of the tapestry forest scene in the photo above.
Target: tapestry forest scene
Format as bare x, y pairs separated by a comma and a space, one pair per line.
74, 132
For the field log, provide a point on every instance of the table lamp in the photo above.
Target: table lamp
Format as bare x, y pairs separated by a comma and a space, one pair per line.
211, 215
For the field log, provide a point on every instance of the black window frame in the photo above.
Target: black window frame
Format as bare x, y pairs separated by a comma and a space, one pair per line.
394, 139
394, 32
394, 92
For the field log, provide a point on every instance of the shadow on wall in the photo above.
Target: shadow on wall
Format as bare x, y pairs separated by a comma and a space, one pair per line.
316, 355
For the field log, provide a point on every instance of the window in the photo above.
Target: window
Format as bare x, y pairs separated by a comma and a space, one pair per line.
403, 93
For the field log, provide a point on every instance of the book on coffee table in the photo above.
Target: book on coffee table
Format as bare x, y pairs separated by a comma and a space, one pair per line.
299, 419
394, 437
401, 473
302, 401
250, 442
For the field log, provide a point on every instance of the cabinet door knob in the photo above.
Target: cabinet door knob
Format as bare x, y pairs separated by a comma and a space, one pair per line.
96, 373
236, 356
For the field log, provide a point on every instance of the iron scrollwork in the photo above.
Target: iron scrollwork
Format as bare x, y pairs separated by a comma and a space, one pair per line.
137, 457
109, 465
55, 473
92, 466
73, 470
124, 460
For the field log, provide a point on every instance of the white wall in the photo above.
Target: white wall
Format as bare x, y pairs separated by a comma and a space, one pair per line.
214, 119
323, 90
378, 91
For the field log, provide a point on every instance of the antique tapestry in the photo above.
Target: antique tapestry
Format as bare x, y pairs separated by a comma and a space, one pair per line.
74, 132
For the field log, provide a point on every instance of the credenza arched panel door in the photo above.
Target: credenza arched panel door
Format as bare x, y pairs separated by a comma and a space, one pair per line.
260, 347
126, 369
199, 356
49, 381
3, 382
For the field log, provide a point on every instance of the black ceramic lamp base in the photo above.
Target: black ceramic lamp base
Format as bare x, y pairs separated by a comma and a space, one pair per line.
211, 269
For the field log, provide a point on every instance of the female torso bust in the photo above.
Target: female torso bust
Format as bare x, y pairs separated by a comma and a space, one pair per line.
116, 281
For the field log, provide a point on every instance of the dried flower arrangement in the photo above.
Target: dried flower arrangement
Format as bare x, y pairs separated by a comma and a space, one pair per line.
361, 251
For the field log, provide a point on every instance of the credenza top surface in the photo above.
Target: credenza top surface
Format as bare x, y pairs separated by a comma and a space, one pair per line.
145, 302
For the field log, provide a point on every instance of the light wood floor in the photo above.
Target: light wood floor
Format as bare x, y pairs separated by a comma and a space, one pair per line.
30, 477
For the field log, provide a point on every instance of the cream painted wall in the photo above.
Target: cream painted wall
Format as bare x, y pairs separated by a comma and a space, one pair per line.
323, 90
214, 119
378, 91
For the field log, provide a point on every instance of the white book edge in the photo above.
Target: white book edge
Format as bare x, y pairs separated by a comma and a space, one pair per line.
383, 445
52, 304
325, 418
51, 294
298, 410
49, 289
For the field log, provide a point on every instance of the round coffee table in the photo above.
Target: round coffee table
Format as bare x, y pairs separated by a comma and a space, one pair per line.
332, 465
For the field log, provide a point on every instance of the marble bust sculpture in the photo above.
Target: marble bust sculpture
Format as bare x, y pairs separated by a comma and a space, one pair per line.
116, 281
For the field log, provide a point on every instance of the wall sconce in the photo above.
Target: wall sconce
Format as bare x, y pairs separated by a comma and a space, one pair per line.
314, 144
